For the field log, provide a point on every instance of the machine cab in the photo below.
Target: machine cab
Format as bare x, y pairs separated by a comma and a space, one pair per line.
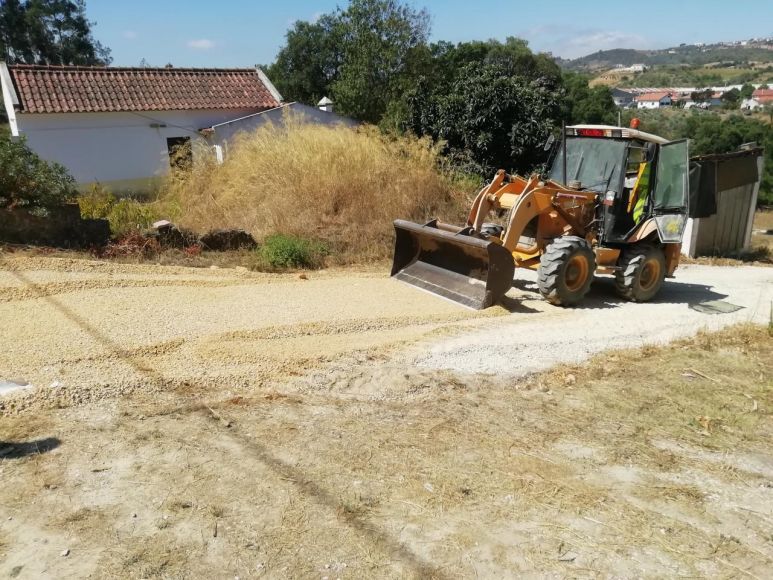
636, 175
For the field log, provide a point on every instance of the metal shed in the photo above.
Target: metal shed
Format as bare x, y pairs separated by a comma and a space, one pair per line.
724, 189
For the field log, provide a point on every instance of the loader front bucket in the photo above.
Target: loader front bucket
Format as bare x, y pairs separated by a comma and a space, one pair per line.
462, 268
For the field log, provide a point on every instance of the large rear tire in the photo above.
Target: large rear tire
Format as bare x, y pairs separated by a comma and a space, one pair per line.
642, 270
566, 270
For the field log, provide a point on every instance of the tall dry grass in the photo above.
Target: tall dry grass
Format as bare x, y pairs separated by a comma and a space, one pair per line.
338, 185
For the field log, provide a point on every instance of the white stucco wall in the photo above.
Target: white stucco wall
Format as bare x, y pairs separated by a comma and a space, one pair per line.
120, 150
654, 104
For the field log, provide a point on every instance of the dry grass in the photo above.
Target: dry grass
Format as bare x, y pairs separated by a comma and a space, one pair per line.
712, 391
635, 464
338, 185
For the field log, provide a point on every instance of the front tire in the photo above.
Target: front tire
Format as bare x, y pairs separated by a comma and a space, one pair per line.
642, 270
566, 270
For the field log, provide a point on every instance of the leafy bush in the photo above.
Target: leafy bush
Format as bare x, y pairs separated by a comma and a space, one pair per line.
27, 181
97, 202
125, 215
490, 116
283, 251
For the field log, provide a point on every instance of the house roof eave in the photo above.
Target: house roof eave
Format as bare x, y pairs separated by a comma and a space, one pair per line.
269, 85
10, 98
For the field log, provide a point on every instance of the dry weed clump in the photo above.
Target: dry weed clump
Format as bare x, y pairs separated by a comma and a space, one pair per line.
339, 186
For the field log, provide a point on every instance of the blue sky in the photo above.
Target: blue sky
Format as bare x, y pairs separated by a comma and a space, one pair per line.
244, 33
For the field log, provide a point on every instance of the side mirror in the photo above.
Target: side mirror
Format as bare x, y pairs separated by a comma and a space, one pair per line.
651, 150
549, 143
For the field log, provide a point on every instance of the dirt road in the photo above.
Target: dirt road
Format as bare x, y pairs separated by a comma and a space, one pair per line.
543, 337
99, 329
221, 423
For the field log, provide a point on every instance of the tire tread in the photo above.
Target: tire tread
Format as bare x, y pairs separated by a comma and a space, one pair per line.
551, 261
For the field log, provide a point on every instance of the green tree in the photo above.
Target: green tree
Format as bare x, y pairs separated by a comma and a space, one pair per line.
585, 104
307, 65
49, 32
489, 119
701, 96
360, 56
513, 57
494, 103
378, 38
746, 91
731, 99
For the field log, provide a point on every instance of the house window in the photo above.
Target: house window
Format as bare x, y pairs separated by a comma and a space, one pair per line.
180, 152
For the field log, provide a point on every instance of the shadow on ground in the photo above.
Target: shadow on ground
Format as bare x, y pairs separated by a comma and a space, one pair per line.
19, 449
603, 295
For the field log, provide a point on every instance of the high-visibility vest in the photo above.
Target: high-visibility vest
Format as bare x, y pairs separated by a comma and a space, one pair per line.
640, 190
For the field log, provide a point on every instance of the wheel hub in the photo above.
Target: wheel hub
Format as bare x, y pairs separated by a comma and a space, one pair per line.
576, 273
650, 273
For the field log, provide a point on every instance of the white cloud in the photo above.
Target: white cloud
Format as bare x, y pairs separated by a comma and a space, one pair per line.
571, 42
201, 44
588, 43
130, 34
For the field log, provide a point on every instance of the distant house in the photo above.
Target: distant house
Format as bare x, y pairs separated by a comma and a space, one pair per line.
759, 99
622, 97
122, 126
653, 100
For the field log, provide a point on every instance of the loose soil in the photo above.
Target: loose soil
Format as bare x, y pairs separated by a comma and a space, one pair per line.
220, 423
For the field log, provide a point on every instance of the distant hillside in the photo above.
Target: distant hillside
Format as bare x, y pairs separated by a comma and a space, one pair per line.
689, 55
606, 59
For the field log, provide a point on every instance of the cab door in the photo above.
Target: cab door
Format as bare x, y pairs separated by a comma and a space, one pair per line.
672, 178
671, 191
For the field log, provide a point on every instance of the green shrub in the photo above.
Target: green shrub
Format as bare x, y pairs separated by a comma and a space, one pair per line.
97, 202
128, 215
28, 181
282, 251
125, 215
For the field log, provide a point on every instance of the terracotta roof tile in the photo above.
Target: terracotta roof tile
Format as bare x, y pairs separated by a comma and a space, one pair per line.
763, 95
653, 96
73, 89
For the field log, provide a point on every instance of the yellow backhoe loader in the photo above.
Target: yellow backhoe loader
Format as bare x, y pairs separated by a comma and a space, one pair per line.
614, 201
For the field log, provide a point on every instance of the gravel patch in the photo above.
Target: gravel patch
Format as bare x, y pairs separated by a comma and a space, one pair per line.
539, 336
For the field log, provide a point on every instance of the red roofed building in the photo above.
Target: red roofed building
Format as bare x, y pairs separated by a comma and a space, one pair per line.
118, 126
759, 98
763, 96
653, 100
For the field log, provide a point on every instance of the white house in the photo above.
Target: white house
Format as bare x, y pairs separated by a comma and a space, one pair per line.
118, 126
653, 100
760, 98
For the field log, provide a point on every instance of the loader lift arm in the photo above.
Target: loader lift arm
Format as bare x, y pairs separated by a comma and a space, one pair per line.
566, 231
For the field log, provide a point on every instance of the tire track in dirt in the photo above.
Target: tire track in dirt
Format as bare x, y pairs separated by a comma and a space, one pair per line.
114, 333
21, 293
